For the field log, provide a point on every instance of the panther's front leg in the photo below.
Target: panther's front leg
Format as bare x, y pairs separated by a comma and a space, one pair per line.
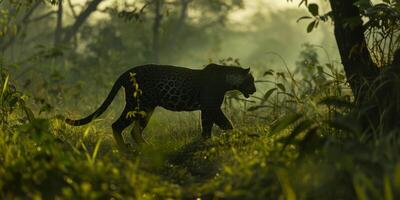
208, 117
210, 110
211, 116
222, 121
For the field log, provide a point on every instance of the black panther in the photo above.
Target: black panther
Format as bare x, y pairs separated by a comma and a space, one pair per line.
176, 89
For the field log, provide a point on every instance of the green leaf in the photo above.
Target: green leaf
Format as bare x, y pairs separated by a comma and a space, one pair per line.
289, 95
335, 101
359, 189
316, 23
302, 18
96, 150
330, 66
281, 86
311, 26
302, 126
326, 16
281, 74
269, 72
285, 122
313, 9
4, 88
303, 1
363, 4
29, 114
268, 94
388, 192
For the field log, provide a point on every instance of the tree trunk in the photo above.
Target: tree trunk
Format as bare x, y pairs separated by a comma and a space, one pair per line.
58, 31
376, 90
183, 14
359, 68
156, 30
173, 43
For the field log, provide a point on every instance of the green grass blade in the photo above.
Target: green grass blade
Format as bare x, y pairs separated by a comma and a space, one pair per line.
387, 188
5, 85
302, 126
96, 149
285, 122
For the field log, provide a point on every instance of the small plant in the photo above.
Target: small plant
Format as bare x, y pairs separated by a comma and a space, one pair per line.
136, 96
12, 101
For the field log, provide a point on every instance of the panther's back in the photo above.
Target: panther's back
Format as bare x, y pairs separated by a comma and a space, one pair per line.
171, 87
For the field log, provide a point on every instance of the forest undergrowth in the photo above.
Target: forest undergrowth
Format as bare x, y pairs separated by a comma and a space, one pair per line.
299, 137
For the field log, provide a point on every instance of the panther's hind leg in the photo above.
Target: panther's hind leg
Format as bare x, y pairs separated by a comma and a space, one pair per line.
139, 125
119, 125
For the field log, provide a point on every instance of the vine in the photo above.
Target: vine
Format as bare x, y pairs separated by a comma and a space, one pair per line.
136, 95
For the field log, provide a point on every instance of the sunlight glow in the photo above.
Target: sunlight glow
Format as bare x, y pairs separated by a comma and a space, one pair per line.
242, 15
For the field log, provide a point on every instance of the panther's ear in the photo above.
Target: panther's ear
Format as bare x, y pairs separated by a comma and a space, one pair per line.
247, 70
234, 79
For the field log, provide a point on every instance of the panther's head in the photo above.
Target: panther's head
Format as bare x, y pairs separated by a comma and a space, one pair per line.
242, 80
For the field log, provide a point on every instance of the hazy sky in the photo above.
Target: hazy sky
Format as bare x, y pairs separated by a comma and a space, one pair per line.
250, 6
278, 3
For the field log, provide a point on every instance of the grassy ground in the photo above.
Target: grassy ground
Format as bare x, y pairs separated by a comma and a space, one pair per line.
48, 159
295, 143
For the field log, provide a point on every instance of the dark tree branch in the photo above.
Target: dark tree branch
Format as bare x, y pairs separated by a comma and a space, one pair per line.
24, 22
156, 30
220, 20
82, 17
183, 14
173, 41
72, 9
44, 16
30, 12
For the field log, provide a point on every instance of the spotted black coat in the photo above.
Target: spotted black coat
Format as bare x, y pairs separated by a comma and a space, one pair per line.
176, 89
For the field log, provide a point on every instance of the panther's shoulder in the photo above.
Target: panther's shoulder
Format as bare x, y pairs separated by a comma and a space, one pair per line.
212, 67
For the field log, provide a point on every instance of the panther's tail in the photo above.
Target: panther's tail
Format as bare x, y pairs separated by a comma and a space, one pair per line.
117, 85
